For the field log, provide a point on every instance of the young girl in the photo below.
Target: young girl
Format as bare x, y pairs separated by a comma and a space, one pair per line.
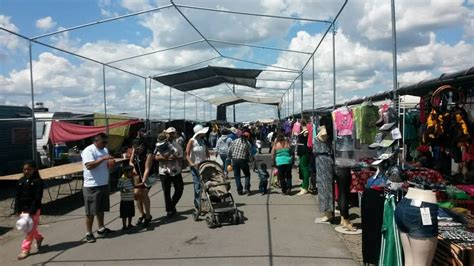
28, 200
127, 207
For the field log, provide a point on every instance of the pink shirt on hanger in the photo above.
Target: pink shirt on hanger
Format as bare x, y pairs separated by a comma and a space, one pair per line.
309, 126
344, 122
296, 128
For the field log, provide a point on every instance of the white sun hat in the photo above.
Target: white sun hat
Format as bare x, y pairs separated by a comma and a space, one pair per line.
199, 129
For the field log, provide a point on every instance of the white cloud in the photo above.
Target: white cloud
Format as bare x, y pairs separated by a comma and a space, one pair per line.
370, 21
7, 40
45, 23
136, 5
363, 55
469, 26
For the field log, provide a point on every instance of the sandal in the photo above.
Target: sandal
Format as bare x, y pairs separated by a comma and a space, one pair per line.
147, 221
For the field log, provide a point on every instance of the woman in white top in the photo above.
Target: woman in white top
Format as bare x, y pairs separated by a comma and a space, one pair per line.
196, 152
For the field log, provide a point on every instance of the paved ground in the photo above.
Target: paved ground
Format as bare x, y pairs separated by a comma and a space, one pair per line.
278, 230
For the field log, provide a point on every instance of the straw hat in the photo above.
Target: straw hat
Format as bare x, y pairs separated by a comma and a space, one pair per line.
170, 130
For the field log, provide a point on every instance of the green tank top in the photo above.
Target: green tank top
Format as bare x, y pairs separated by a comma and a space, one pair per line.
283, 156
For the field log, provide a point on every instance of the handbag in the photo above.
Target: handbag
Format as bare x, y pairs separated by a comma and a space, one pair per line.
151, 180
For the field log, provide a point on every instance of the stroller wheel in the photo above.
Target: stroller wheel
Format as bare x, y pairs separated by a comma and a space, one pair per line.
235, 218
240, 218
210, 222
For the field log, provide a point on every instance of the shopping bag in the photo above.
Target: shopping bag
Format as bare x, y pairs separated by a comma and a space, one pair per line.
274, 180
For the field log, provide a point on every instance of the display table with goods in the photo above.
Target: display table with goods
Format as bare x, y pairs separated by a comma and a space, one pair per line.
455, 239
361, 175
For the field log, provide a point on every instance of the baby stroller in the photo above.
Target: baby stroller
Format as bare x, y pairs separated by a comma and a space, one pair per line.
217, 202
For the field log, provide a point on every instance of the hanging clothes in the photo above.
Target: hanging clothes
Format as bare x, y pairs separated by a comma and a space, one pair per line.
391, 248
371, 209
296, 128
366, 128
309, 143
343, 119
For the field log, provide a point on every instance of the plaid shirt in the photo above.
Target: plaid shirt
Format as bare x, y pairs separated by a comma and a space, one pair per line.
240, 149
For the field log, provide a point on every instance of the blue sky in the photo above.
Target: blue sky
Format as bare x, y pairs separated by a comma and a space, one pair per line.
438, 39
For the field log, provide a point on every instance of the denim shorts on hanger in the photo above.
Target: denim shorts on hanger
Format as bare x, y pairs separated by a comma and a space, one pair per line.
408, 219
344, 143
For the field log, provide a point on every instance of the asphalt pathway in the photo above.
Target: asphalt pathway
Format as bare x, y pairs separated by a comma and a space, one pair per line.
277, 230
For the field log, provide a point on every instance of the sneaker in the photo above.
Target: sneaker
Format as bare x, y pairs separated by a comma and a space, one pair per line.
302, 192
130, 227
39, 242
104, 231
90, 238
240, 192
244, 192
23, 255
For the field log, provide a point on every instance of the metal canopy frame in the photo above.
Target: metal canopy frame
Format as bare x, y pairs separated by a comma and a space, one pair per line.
268, 67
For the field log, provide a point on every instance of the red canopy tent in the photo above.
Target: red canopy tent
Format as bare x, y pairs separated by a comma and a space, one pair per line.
63, 131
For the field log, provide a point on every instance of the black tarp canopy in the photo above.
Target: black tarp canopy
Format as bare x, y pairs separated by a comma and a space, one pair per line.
208, 77
463, 79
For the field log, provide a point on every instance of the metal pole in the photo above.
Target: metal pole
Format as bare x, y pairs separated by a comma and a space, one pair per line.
293, 100
210, 112
149, 105
334, 66
105, 102
334, 106
395, 81
169, 109
146, 105
196, 108
394, 51
313, 85
33, 120
184, 112
233, 106
288, 103
301, 96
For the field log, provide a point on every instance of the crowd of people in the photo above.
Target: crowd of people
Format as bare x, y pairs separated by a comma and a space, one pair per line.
164, 158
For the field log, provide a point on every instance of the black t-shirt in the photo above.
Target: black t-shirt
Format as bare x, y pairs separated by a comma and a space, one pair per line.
143, 148
302, 146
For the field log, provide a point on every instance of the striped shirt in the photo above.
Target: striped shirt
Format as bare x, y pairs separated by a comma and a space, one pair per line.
126, 188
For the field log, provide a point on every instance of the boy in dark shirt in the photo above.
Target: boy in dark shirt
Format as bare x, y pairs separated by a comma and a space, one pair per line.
263, 176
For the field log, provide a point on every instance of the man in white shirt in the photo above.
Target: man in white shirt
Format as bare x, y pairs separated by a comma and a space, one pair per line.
170, 172
95, 159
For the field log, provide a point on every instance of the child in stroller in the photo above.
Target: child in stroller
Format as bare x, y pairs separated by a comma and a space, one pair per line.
216, 199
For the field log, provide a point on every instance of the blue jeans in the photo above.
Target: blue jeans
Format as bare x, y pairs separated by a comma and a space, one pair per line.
197, 187
408, 219
241, 164
224, 162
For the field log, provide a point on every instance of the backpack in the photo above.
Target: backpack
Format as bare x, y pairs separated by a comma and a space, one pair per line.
224, 148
